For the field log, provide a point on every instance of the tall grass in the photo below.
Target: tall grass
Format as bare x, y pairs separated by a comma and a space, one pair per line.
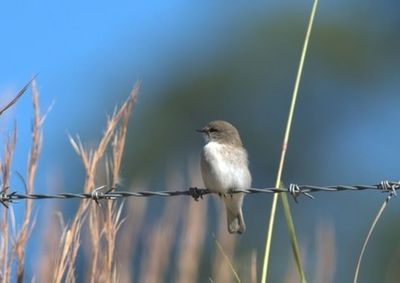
27, 224
102, 230
13, 242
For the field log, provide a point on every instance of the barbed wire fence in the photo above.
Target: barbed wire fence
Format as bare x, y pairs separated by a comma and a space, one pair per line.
105, 193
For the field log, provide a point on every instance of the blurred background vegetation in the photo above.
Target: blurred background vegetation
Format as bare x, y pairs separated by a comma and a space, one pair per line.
199, 62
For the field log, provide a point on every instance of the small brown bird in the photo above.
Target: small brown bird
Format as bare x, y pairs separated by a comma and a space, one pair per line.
224, 167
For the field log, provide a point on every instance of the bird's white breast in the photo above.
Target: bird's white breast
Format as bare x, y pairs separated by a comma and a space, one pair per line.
225, 167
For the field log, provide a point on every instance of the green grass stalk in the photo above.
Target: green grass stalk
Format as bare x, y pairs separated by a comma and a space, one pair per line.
284, 199
371, 229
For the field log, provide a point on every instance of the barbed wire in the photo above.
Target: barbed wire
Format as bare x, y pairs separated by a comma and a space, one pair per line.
97, 194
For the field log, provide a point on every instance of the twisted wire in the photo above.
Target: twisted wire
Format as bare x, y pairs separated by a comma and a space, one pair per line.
97, 194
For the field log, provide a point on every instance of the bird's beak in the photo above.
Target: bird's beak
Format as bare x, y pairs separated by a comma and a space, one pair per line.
201, 130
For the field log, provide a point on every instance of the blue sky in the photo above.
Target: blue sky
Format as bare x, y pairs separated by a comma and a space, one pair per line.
79, 48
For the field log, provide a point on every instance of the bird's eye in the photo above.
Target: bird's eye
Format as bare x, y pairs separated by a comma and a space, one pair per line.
212, 130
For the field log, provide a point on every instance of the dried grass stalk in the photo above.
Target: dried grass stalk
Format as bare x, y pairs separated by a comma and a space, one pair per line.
27, 225
160, 240
5, 168
253, 267
326, 255
15, 99
90, 160
128, 237
7, 255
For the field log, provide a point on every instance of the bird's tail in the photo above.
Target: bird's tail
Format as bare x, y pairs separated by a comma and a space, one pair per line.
234, 213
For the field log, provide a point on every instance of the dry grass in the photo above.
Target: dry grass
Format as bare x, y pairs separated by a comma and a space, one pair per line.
326, 253
18, 239
222, 271
24, 232
5, 166
115, 241
102, 269
129, 236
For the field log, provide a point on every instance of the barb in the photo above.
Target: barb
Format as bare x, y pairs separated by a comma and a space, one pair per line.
197, 193
296, 191
97, 194
389, 187
4, 199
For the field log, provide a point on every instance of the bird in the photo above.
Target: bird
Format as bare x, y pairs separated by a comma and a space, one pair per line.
225, 168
